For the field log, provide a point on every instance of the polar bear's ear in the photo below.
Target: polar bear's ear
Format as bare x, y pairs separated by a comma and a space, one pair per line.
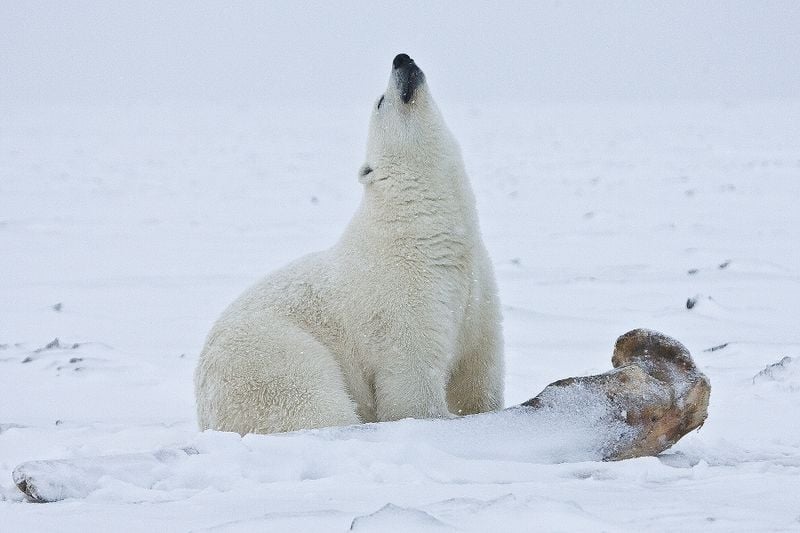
365, 174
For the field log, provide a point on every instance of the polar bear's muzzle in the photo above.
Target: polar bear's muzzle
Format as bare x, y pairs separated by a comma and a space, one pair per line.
408, 77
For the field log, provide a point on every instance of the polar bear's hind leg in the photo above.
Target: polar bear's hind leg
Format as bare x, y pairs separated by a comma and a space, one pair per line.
270, 379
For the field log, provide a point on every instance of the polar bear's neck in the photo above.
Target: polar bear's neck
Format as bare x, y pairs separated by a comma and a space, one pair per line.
407, 195
428, 213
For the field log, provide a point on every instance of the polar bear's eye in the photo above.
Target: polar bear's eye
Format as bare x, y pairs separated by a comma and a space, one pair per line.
380, 101
366, 169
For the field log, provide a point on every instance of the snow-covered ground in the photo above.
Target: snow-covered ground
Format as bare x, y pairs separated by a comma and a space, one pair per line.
125, 230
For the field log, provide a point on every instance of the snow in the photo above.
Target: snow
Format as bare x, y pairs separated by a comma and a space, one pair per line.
144, 223
128, 223
570, 432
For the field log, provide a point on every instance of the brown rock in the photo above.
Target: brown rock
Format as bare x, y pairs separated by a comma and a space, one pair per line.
655, 389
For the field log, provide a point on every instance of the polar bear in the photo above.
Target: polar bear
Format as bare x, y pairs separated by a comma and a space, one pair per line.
399, 319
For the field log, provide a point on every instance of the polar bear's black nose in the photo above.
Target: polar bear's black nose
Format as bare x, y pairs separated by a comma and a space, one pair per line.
408, 77
401, 60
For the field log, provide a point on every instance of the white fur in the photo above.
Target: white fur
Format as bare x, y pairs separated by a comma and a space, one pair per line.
399, 319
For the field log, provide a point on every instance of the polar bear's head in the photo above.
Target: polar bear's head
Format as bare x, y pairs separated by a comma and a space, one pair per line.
407, 133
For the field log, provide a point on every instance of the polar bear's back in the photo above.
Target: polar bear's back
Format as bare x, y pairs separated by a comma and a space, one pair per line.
277, 292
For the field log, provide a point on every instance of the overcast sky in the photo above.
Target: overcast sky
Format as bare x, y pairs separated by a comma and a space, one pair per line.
245, 51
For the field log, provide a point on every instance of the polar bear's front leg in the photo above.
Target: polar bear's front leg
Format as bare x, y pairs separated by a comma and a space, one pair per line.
413, 386
476, 383
476, 379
